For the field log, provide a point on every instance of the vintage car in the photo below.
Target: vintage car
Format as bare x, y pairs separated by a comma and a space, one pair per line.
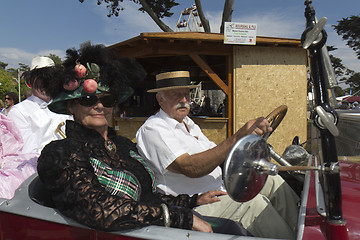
329, 187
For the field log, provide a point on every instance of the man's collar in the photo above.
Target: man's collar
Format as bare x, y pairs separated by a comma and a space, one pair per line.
172, 122
37, 100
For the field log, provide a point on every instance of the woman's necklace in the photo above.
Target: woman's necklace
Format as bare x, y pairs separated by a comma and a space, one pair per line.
110, 146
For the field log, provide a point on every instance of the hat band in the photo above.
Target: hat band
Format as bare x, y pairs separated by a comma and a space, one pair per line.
173, 82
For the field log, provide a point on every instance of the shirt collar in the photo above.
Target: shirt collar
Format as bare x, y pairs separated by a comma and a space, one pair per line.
174, 123
39, 101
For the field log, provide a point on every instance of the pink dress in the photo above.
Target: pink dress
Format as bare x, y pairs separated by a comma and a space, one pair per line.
15, 167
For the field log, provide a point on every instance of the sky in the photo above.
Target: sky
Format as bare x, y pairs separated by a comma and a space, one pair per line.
32, 28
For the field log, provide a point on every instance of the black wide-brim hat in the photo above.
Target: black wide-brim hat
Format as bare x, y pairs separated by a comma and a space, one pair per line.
172, 80
113, 75
58, 105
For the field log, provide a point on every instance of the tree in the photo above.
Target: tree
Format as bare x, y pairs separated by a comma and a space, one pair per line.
339, 91
203, 20
57, 60
3, 65
7, 83
158, 9
349, 29
8, 77
354, 81
337, 65
342, 73
227, 13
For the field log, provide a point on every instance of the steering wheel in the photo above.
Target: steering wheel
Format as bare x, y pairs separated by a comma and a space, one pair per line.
275, 118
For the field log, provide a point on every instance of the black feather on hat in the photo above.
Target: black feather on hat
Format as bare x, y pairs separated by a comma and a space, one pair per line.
97, 63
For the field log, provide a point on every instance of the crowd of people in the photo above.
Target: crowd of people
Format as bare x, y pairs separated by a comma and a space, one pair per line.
348, 106
171, 177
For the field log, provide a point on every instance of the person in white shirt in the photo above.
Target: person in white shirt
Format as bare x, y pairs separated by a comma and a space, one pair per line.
37, 124
186, 162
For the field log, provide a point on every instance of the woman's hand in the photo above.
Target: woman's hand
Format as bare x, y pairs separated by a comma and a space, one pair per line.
200, 225
210, 197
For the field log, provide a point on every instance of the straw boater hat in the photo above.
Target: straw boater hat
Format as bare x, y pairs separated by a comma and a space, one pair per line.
172, 80
94, 69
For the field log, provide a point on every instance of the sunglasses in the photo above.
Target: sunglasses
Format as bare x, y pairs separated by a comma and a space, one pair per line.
7, 98
89, 101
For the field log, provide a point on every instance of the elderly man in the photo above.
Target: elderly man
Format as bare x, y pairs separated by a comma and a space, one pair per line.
185, 161
35, 121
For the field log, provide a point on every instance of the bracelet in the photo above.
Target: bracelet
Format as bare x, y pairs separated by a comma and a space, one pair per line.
166, 215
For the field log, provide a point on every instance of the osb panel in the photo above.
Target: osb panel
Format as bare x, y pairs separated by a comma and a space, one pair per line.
265, 78
214, 130
127, 127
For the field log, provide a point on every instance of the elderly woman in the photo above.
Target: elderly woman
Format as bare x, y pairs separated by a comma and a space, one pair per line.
96, 177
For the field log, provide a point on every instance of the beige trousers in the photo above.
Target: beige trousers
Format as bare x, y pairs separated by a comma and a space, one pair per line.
272, 213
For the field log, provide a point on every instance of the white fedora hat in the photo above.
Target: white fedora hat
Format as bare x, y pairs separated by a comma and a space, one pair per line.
41, 62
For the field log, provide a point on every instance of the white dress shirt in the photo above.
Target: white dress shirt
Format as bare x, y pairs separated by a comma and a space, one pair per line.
36, 123
161, 139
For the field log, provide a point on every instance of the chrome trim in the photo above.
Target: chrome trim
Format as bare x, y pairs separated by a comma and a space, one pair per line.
304, 198
319, 193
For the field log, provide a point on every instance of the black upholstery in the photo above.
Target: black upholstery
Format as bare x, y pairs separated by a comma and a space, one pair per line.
39, 194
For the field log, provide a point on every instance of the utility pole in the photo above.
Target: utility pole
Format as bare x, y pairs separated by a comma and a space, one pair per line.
18, 80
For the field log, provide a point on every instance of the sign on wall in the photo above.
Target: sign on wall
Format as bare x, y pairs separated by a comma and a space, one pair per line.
240, 33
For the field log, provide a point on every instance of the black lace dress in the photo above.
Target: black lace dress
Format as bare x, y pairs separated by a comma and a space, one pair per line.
67, 168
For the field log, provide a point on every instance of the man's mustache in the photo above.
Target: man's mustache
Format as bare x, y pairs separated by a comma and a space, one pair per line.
182, 105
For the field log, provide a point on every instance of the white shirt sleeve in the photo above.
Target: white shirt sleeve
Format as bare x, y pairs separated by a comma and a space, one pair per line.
161, 139
158, 143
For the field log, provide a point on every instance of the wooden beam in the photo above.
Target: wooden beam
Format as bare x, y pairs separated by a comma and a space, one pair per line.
230, 95
137, 52
207, 69
177, 49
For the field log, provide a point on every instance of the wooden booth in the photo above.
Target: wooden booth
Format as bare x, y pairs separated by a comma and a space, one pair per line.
254, 80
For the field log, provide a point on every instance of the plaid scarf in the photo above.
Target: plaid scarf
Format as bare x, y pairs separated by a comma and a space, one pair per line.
120, 182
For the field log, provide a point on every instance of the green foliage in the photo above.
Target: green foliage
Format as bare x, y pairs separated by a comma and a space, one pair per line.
339, 91
8, 84
3, 65
160, 7
23, 67
354, 81
349, 29
8, 77
338, 67
57, 60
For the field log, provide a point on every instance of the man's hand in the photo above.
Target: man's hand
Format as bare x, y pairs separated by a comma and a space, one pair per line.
258, 126
200, 225
210, 197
